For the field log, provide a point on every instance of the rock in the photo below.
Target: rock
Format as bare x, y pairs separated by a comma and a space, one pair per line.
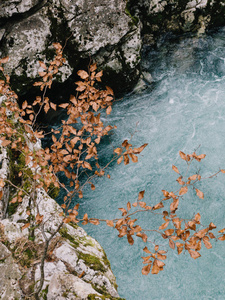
160, 16
9, 8
96, 29
67, 286
75, 265
10, 275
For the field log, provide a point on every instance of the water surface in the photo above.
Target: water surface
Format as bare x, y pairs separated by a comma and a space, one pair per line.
183, 108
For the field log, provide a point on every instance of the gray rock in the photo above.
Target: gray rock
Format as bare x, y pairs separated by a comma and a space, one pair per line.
98, 29
10, 274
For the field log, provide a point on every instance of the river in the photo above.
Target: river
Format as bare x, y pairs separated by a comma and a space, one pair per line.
182, 109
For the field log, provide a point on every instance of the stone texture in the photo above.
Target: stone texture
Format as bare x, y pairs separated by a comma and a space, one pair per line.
97, 29
10, 274
160, 16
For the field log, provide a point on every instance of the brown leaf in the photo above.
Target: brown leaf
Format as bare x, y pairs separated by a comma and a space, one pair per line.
25, 226
126, 159
183, 155
141, 195
193, 177
171, 244
119, 160
144, 237
142, 204
94, 222
42, 65
146, 269
164, 225
4, 60
118, 151
63, 105
87, 165
199, 194
211, 235
201, 156
197, 217
206, 242
165, 193
39, 218
128, 206
169, 232
130, 239
158, 206
174, 204
222, 238
201, 233
212, 226
160, 256
53, 105
194, 254
146, 250
83, 74
155, 268
108, 110
110, 223
223, 171
175, 169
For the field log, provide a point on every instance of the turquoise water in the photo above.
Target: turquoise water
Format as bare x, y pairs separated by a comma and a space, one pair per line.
182, 109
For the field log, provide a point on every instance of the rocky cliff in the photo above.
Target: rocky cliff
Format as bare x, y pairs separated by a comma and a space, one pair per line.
76, 266
100, 30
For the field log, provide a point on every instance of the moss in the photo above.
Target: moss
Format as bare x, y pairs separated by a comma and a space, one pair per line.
134, 19
105, 260
74, 225
16, 165
53, 191
64, 233
44, 293
103, 297
12, 208
92, 261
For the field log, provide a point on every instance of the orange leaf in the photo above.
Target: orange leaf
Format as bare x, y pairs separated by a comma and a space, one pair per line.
94, 222
146, 269
175, 169
4, 60
206, 242
169, 232
171, 244
146, 250
193, 177
128, 206
63, 105
83, 74
25, 226
118, 151
183, 155
164, 225
199, 194
130, 239
141, 195
183, 190
119, 160
197, 217
194, 254
212, 226
222, 238
110, 223
174, 204
108, 110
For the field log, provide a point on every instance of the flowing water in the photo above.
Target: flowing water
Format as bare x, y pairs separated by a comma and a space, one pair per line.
182, 109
